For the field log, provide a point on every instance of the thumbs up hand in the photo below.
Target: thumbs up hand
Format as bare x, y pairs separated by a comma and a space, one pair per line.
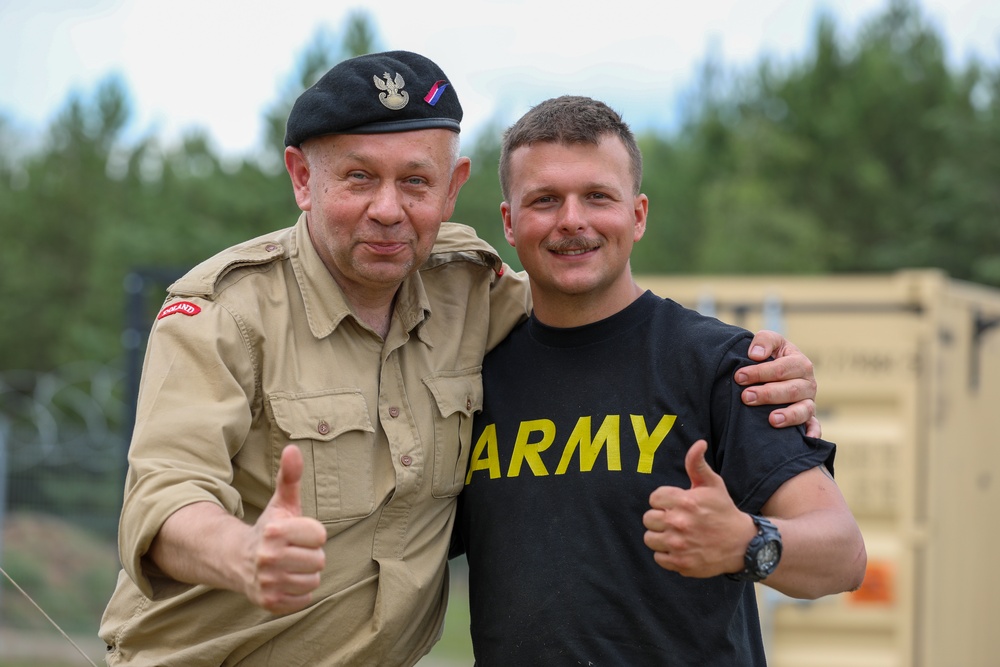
699, 531
285, 555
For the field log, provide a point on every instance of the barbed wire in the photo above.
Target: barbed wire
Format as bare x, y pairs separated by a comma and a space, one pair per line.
72, 415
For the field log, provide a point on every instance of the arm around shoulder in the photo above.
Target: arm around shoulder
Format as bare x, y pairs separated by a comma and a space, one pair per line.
784, 376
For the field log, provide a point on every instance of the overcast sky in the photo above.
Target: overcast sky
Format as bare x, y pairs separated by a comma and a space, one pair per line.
218, 64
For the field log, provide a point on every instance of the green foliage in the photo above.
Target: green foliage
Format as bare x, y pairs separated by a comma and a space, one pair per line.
25, 569
479, 202
672, 239
746, 226
322, 53
867, 153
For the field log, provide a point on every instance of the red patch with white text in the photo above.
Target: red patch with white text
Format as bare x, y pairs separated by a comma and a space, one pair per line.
183, 307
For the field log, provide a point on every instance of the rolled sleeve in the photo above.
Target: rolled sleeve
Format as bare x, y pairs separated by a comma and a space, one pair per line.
194, 412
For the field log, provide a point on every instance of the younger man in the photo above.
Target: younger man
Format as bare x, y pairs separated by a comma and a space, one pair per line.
612, 409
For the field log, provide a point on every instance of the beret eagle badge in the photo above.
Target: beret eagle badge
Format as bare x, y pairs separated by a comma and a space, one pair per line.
394, 97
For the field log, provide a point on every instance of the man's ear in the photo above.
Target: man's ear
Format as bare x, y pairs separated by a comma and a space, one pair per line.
298, 170
459, 177
641, 213
508, 227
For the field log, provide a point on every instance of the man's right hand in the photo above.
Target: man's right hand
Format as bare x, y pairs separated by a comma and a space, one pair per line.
276, 562
285, 555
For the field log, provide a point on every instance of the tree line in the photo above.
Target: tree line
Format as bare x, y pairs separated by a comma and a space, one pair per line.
869, 152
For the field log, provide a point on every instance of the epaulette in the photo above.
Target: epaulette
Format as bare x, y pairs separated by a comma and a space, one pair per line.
458, 242
204, 279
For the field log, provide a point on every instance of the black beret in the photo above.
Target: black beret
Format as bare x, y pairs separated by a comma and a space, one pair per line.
395, 91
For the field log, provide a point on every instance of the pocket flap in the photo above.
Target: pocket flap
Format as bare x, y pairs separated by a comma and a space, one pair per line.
457, 393
321, 416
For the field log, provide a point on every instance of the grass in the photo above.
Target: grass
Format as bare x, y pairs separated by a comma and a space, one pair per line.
455, 646
65, 569
69, 573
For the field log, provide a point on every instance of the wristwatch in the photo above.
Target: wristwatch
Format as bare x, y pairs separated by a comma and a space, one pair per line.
763, 552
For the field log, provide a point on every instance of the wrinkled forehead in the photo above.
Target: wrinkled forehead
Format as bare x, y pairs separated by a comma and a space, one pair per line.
428, 149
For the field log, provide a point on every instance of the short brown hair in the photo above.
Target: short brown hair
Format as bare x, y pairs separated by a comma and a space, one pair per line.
570, 119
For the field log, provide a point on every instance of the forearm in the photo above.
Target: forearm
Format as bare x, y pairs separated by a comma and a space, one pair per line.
699, 532
823, 553
201, 543
276, 563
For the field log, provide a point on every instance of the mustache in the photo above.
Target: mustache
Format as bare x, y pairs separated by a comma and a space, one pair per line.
573, 244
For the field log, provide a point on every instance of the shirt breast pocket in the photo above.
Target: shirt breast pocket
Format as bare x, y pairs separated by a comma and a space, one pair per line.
335, 433
458, 396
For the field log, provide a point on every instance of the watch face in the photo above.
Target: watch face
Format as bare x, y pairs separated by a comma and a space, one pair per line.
767, 556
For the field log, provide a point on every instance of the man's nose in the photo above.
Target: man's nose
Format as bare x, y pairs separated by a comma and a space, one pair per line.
571, 215
386, 206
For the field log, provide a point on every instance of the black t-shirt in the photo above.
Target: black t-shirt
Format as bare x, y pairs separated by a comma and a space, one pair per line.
580, 425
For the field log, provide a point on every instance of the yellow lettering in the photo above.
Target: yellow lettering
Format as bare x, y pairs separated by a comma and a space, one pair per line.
530, 451
649, 443
536, 436
607, 434
488, 442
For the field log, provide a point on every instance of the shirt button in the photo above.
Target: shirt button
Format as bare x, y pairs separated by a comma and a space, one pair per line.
406, 459
468, 404
323, 428
270, 247
393, 412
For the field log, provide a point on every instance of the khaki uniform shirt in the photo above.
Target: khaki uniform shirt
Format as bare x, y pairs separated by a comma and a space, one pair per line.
257, 348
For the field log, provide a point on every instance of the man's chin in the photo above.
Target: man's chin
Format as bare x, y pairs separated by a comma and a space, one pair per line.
387, 273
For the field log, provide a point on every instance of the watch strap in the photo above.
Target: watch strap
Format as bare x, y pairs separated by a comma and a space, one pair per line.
767, 533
